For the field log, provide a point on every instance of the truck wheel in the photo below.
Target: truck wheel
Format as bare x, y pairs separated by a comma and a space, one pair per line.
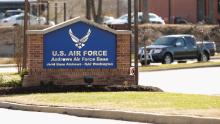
145, 63
204, 57
167, 59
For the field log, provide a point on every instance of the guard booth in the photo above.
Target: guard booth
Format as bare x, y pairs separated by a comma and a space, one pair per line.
72, 52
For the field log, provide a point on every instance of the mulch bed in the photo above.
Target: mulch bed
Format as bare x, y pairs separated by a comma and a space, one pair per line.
81, 88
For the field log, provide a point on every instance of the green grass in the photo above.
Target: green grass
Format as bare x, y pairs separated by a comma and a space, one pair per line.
131, 101
178, 66
10, 80
217, 55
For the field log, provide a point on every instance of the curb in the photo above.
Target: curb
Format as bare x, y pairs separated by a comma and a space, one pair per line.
7, 65
111, 114
170, 69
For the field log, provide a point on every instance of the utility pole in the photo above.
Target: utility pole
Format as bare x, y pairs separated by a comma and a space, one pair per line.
136, 39
26, 4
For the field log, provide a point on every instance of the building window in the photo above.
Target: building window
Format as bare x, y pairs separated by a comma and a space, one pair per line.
219, 6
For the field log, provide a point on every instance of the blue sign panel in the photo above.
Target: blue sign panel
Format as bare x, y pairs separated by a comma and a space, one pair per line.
79, 45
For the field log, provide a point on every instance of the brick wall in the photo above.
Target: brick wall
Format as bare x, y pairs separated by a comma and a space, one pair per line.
37, 74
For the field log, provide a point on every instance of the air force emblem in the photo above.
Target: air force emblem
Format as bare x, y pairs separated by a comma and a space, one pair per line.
79, 43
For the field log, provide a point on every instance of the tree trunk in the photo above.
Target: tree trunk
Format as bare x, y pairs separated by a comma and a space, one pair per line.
93, 12
145, 11
118, 9
88, 9
98, 18
93, 8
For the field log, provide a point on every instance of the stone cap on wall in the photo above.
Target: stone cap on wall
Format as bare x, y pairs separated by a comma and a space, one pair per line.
75, 20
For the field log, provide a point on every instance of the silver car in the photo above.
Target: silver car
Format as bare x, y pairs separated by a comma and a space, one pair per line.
19, 20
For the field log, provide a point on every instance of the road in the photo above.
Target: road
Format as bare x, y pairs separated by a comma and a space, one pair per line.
25, 117
8, 68
189, 61
175, 62
190, 81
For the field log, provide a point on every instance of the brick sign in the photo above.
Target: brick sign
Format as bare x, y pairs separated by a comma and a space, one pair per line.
80, 45
67, 53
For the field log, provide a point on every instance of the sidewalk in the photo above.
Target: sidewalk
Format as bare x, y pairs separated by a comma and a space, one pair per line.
113, 114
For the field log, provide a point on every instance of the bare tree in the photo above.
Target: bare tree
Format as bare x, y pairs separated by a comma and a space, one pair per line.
118, 8
88, 8
93, 11
145, 11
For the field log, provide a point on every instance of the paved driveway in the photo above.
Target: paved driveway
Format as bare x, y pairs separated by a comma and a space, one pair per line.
195, 81
192, 81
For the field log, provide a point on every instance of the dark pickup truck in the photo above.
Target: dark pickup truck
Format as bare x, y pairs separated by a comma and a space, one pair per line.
166, 49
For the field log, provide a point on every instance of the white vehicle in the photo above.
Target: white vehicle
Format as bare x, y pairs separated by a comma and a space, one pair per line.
153, 18
2, 15
19, 20
121, 20
9, 13
107, 18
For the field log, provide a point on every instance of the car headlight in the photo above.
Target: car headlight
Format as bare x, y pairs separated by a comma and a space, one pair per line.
157, 51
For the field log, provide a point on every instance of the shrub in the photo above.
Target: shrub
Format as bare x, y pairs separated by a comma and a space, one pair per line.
23, 73
10, 80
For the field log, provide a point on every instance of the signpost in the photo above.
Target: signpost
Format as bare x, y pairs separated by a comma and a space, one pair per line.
79, 46
79, 52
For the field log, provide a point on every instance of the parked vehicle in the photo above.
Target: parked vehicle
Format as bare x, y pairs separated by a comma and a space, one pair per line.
9, 13
153, 18
2, 15
210, 45
121, 20
169, 48
107, 18
180, 20
19, 19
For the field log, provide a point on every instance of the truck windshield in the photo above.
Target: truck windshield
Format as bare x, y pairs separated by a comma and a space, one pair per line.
165, 41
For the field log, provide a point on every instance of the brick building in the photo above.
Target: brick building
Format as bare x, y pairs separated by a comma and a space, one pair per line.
192, 10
